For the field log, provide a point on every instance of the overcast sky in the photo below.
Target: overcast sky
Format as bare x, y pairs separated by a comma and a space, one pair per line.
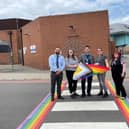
31, 9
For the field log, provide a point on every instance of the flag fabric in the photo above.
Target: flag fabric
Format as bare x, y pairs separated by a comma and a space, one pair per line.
96, 69
86, 70
82, 70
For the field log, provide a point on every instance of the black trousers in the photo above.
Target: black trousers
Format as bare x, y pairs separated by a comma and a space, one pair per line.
72, 83
118, 80
56, 79
89, 81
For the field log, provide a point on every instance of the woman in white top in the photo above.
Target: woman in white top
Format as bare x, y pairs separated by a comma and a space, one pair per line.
71, 65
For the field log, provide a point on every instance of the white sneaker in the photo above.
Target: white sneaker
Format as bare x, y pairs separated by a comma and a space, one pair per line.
123, 97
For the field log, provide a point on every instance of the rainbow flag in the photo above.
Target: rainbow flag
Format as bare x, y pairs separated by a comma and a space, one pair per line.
97, 68
123, 104
81, 70
84, 71
38, 115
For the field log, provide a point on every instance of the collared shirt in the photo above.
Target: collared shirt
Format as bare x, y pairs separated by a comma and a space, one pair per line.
53, 63
87, 59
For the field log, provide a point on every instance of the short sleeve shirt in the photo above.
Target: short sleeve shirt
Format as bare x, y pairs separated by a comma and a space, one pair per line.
101, 60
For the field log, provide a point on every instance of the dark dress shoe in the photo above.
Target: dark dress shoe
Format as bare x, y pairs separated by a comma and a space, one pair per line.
83, 96
72, 96
100, 93
88, 94
60, 97
75, 94
105, 95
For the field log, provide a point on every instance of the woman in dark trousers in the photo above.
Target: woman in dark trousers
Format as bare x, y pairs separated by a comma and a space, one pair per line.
71, 62
118, 70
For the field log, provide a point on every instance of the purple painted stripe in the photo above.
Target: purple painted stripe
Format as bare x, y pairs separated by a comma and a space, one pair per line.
31, 114
127, 100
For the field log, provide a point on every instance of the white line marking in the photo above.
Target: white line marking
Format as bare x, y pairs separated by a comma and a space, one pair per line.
93, 92
94, 84
85, 125
85, 106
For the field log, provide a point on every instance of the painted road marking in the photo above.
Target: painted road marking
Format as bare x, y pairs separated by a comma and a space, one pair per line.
94, 84
85, 125
85, 106
79, 91
38, 115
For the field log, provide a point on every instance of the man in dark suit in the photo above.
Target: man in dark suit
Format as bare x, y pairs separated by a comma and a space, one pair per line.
86, 58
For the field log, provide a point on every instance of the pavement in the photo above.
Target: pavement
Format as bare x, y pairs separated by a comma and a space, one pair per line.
20, 72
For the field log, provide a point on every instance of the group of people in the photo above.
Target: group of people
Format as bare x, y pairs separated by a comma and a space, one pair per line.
58, 63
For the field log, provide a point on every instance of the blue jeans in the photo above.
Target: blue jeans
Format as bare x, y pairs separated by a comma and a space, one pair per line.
101, 78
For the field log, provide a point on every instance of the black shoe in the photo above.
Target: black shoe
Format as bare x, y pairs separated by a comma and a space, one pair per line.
75, 94
105, 95
72, 96
88, 94
60, 97
100, 93
83, 96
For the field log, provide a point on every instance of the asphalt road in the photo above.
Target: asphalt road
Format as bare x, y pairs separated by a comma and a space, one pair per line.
86, 113
18, 99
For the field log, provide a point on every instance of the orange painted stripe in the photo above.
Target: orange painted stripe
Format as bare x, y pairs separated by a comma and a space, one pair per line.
122, 104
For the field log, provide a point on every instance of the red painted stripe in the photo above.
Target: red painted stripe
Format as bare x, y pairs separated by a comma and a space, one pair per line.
120, 103
45, 112
123, 110
43, 116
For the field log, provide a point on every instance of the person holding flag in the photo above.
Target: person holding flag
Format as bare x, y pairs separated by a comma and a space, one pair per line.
101, 60
86, 58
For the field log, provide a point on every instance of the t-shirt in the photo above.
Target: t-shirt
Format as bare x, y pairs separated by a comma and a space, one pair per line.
100, 60
71, 61
116, 67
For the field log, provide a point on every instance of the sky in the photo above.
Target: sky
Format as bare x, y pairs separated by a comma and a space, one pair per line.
118, 10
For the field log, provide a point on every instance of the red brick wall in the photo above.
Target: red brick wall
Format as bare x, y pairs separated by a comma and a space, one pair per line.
4, 57
31, 36
54, 31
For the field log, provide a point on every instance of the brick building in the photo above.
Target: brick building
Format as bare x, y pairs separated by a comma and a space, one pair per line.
10, 33
41, 36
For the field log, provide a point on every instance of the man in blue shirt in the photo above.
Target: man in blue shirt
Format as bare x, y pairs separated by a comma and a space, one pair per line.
57, 65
